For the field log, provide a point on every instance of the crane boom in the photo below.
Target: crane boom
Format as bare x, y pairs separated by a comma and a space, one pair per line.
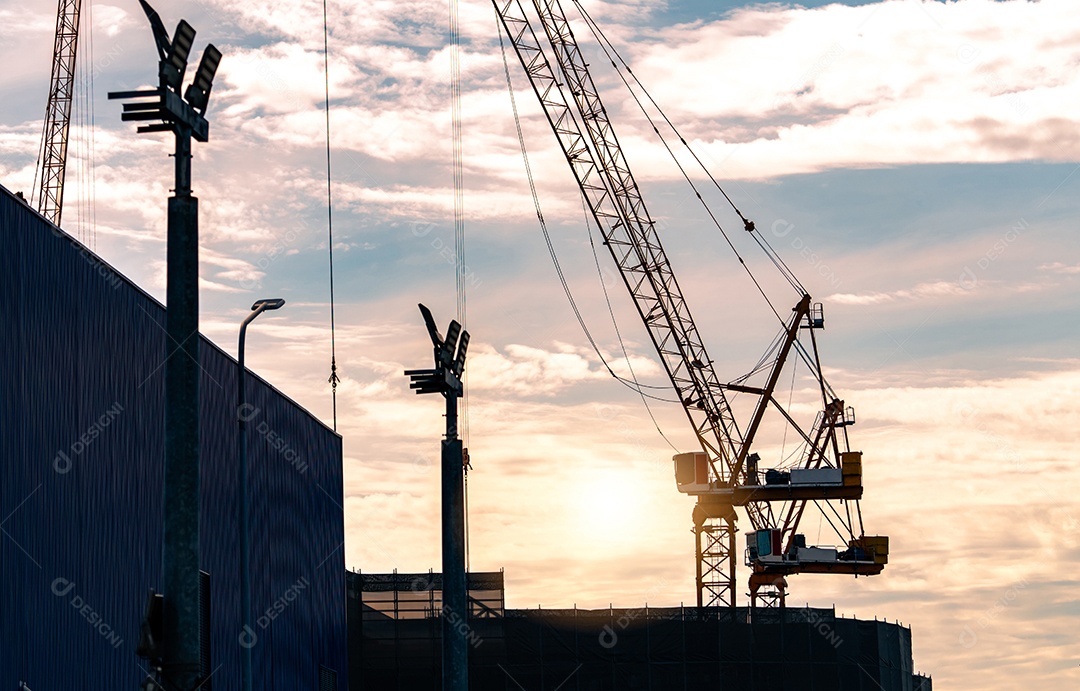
54, 144
628, 230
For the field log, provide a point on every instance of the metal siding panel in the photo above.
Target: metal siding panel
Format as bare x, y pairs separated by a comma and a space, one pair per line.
81, 355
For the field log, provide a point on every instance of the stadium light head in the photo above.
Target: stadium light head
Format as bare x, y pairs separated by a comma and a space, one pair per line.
433, 331
198, 93
463, 345
174, 66
453, 332
161, 36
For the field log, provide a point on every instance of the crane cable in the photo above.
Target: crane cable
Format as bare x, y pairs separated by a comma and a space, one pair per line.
618, 333
83, 139
636, 383
609, 51
547, 235
459, 245
777, 261
92, 143
334, 379
759, 239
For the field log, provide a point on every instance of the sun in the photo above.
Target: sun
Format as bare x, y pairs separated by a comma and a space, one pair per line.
608, 505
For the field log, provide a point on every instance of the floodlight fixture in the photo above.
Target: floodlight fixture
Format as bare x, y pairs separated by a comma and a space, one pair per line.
161, 36
463, 345
168, 108
433, 331
198, 93
173, 68
453, 332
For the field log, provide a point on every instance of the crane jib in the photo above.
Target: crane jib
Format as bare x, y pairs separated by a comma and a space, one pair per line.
629, 232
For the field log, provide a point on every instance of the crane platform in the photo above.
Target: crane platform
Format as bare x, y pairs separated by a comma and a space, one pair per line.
823, 483
864, 556
743, 495
788, 567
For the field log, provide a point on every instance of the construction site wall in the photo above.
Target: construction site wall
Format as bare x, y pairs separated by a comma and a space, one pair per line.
661, 649
81, 479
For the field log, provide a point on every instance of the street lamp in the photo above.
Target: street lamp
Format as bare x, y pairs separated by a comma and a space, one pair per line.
243, 415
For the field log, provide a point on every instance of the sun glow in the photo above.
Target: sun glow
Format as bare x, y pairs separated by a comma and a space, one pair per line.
609, 507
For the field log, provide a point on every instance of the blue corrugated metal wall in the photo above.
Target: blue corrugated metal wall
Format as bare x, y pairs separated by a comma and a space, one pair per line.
82, 454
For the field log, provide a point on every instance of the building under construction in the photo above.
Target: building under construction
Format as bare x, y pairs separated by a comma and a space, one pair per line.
395, 643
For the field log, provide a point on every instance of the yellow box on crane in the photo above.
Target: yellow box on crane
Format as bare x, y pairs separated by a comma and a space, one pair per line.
851, 468
876, 546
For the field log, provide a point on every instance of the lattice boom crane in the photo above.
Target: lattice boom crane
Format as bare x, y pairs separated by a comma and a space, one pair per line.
724, 475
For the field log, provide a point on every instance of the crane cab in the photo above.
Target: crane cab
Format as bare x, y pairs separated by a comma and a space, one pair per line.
692, 472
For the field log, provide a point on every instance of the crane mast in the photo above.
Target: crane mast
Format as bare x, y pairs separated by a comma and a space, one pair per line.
54, 140
725, 475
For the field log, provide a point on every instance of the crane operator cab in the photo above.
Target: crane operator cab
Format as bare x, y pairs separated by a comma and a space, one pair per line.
692, 472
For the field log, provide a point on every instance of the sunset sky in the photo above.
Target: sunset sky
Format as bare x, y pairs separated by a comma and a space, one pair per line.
917, 164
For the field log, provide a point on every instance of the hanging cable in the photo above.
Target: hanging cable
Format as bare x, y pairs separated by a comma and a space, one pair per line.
92, 135
791, 396
75, 180
618, 333
82, 135
459, 243
334, 380
609, 51
547, 234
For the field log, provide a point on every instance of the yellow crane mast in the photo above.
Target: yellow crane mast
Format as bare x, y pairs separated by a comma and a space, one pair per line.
54, 134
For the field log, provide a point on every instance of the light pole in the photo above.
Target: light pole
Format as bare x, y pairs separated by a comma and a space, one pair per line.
445, 378
173, 644
243, 415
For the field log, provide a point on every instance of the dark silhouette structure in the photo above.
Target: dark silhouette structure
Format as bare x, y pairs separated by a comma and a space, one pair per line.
82, 397
394, 631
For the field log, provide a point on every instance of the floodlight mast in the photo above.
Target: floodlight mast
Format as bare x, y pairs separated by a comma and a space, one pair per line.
445, 378
177, 662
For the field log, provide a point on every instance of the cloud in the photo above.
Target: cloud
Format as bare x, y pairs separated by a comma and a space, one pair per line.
824, 87
531, 371
1059, 268
920, 291
111, 19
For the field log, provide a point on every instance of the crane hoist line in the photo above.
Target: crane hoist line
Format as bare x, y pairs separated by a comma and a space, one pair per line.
728, 473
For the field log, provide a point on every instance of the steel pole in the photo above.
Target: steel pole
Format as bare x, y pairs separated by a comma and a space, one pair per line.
180, 549
455, 614
245, 551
